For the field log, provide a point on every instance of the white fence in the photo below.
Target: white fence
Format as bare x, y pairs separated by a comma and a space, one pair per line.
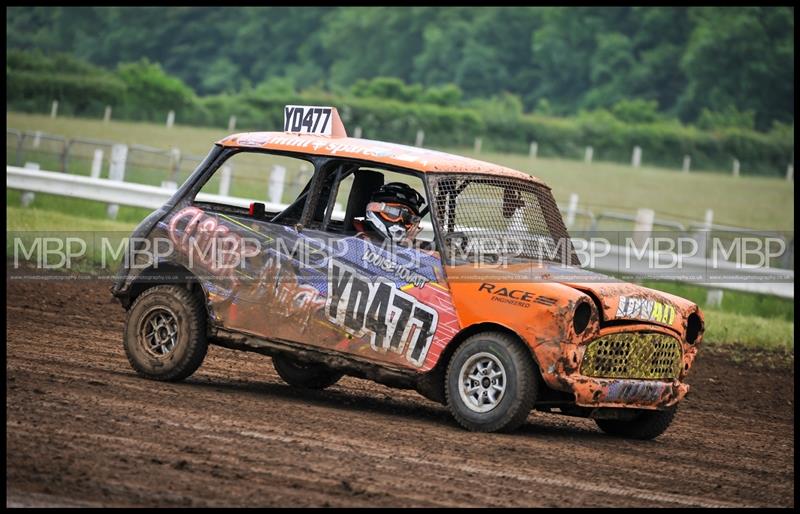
760, 280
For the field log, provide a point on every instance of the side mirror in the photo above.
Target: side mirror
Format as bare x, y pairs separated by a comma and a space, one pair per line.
257, 210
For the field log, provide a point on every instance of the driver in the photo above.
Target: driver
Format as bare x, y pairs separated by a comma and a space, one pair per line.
393, 214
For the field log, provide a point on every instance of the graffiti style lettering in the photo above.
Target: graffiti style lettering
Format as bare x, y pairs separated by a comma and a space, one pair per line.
278, 289
214, 246
394, 320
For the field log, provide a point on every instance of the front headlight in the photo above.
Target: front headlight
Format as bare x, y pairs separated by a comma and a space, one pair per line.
580, 320
694, 327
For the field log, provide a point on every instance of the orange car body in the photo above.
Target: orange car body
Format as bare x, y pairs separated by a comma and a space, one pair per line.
634, 350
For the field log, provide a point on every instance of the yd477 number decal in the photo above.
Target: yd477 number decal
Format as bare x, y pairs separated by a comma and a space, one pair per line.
305, 119
393, 320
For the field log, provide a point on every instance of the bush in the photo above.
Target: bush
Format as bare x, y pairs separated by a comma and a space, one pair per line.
151, 93
636, 111
729, 118
388, 109
34, 80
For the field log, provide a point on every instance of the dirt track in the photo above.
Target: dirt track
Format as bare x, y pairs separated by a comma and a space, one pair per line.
84, 429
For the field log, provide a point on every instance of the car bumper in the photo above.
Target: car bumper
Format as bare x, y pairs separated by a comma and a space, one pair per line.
625, 392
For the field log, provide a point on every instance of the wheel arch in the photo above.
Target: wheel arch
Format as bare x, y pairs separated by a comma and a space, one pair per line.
431, 384
164, 273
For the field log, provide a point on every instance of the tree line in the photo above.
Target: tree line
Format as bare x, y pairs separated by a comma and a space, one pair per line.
708, 66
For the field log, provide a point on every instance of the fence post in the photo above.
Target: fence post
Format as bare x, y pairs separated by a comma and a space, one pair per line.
478, 143
54, 109
231, 123
37, 139
587, 157
170, 119
736, 167
116, 171
420, 137
790, 173
225, 180
65, 155
175, 163
643, 226
97, 163
636, 159
687, 162
533, 149
28, 196
276, 180
357, 132
107, 114
19, 151
701, 236
714, 298
572, 207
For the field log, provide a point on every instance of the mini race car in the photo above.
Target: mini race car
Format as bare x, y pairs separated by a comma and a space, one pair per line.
410, 267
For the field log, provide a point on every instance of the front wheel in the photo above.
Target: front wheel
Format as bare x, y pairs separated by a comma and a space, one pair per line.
491, 383
165, 333
648, 424
306, 375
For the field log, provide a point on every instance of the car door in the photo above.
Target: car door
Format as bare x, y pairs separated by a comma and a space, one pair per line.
389, 302
319, 284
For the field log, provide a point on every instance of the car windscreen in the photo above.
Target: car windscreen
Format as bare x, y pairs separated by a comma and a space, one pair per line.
488, 218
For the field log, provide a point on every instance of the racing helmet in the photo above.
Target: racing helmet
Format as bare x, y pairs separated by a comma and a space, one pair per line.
394, 212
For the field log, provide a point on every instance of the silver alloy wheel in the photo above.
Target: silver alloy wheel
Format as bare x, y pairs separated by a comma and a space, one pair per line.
482, 382
158, 331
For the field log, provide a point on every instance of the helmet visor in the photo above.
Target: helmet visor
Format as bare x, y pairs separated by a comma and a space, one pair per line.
395, 213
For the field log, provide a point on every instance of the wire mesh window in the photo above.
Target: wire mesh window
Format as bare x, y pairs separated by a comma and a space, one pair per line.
499, 218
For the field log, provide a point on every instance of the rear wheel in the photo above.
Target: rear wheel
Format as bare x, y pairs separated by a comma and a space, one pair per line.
491, 383
648, 424
165, 333
306, 375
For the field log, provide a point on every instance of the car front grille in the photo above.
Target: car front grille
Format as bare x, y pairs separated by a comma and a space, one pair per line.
642, 355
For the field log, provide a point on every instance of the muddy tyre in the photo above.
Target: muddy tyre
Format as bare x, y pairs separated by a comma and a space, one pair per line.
491, 383
306, 375
648, 424
165, 333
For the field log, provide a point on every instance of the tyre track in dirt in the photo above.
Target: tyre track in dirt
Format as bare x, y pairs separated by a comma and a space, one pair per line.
82, 428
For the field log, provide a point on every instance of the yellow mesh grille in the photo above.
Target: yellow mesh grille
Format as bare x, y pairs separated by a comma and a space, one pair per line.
633, 355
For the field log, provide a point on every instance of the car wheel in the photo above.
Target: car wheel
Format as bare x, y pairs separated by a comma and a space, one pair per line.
648, 424
491, 383
308, 375
165, 333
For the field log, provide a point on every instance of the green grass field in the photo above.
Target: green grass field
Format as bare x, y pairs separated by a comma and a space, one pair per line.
744, 319
752, 202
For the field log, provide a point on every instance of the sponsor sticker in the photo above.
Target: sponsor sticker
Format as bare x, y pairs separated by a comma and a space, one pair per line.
518, 297
646, 309
386, 264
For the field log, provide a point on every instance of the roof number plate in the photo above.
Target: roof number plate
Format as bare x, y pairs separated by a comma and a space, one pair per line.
305, 119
